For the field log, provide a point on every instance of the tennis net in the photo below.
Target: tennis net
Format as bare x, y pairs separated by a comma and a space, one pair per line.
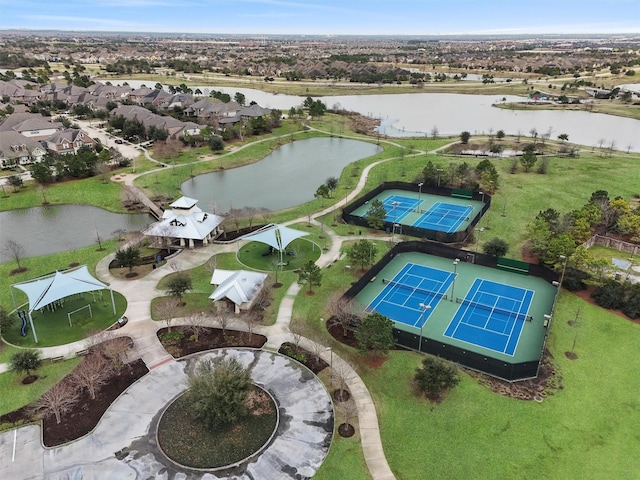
423, 291
493, 309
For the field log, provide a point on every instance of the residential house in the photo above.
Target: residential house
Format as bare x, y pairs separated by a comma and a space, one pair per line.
16, 149
68, 141
32, 125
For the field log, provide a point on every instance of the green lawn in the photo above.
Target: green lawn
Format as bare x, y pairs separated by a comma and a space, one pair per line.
52, 326
586, 430
89, 191
21, 395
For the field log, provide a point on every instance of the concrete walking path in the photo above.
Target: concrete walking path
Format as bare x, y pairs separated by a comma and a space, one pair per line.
142, 329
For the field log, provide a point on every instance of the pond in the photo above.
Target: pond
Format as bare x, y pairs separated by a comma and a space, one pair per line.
58, 228
287, 177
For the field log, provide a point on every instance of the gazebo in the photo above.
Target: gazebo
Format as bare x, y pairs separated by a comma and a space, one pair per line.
276, 236
48, 289
238, 286
186, 222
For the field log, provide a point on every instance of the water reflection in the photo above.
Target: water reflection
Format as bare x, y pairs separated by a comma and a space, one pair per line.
57, 228
287, 177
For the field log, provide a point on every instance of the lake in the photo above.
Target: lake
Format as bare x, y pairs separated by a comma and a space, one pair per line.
58, 228
287, 177
417, 114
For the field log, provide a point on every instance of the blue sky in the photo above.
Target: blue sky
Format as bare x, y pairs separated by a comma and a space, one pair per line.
368, 17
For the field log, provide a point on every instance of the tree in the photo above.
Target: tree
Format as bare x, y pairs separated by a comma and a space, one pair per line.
25, 361
218, 391
14, 250
6, 321
310, 274
342, 311
528, 160
240, 98
500, 134
216, 143
563, 137
496, 247
196, 323
435, 376
166, 310
376, 215
178, 285
41, 172
465, 136
15, 181
362, 253
375, 334
332, 184
128, 257
91, 373
58, 400
322, 192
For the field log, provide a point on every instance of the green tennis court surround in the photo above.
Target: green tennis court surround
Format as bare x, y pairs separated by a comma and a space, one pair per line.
443, 214
500, 324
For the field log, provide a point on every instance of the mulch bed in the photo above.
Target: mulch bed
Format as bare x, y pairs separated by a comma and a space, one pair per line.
208, 339
307, 358
80, 421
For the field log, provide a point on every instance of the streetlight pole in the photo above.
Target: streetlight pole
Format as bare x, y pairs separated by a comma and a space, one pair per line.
419, 194
439, 172
330, 363
455, 271
482, 193
423, 309
393, 226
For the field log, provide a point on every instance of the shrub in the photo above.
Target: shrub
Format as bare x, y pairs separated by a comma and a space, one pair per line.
435, 376
610, 294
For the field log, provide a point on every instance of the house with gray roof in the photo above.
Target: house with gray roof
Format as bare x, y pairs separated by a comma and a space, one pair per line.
16, 149
68, 141
32, 125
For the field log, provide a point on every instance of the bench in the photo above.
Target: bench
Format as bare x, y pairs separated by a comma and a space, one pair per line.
373, 279
82, 353
56, 359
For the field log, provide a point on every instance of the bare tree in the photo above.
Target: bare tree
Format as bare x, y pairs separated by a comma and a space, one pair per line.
222, 320
129, 197
262, 298
348, 410
196, 324
434, 132
252, 319
166, 310
15, 250
91, 373
115, 351
57, 400
339, 380
342, 312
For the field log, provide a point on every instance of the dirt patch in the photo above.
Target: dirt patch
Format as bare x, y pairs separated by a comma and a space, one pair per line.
571, 355
341, 395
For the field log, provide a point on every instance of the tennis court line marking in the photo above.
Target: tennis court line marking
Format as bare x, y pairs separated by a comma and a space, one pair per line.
494, 332
422, 222
404, 272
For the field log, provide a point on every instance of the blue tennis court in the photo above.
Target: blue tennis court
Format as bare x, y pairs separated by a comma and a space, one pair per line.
401, 296
398, 207
492, 316
444, 217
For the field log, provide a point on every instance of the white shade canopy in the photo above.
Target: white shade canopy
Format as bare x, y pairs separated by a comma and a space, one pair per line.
45, 290
276, 236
